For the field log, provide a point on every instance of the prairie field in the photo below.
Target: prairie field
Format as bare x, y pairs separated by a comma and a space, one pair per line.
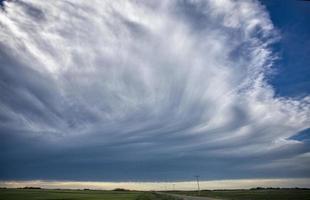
263, 194
42, 194
52, 194
46, 194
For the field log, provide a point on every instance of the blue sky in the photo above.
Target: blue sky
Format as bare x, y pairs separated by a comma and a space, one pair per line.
149, 91
292, 69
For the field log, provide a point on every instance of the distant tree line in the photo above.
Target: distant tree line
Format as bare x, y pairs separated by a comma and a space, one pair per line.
31, 188
121, 190
278, 188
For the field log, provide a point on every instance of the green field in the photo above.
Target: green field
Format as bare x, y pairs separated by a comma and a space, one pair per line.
43, 194
263, 194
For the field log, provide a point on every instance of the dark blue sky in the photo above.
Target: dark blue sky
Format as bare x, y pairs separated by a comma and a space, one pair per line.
2, 3
292, 69
291, 17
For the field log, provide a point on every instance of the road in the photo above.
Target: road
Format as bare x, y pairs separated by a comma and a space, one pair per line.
184, 197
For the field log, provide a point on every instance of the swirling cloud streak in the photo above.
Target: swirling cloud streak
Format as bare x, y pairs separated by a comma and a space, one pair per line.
144, 90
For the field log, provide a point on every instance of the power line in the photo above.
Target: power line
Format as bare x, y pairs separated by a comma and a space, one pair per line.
197, 178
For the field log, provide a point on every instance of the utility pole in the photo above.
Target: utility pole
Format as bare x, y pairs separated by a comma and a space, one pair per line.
197, 178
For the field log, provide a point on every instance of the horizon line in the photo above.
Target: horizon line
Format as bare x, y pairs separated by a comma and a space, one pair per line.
161, 185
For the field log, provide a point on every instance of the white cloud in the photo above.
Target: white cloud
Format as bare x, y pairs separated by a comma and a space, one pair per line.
164, 79
188, 185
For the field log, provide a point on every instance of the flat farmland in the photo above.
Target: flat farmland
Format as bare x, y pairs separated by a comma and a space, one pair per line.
42, 194
48, 194
264, 194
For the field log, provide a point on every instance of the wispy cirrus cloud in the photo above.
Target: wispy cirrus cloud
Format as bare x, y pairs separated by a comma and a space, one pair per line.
143, 90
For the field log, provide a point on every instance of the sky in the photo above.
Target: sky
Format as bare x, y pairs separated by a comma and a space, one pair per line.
154, 91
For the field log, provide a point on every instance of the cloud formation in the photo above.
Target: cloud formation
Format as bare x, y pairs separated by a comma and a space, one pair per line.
147, 186
123, 90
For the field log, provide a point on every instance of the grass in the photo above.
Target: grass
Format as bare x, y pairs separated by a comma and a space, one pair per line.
263, 194
44, 194
155, 196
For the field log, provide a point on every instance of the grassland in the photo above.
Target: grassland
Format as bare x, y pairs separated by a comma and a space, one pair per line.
263, 194
42, 194
155, 196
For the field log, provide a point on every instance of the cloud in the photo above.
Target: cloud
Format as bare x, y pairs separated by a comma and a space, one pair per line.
188, 185
143, 90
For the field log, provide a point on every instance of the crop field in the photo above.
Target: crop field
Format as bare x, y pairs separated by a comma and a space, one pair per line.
263, 194
43, 194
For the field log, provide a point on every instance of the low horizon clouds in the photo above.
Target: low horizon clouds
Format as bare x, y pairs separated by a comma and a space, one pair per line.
183, 185
146, 91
